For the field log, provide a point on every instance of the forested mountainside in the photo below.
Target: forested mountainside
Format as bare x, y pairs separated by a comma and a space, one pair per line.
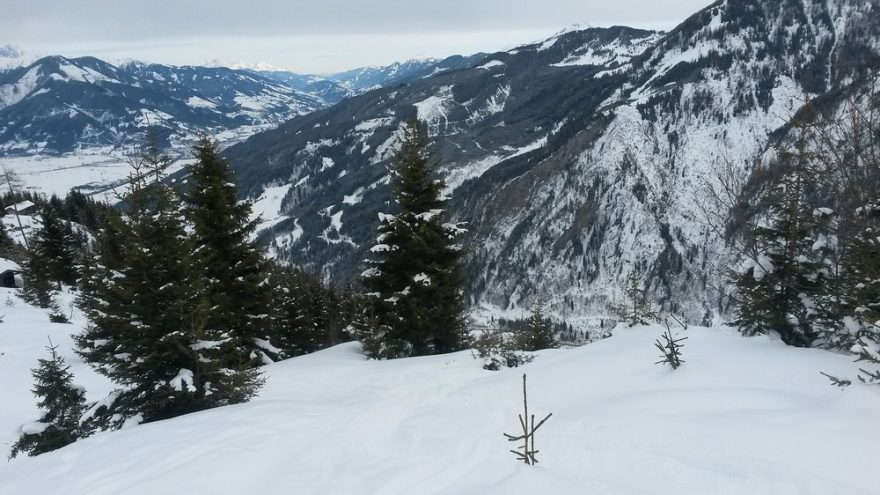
58, 104
577, 161
333, 88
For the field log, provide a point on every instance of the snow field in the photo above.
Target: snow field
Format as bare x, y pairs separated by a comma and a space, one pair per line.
742, 415
24, 334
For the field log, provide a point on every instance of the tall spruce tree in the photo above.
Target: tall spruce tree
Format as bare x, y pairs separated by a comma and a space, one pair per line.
234, 271
149, 330
864, 261
56, 242
775, 290
414, 301
39, 288
62, 404
6, 243
294, 331
812, 270
51, 258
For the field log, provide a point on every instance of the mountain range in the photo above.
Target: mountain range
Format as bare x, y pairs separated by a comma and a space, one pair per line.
333, 88
58, 105
577, 161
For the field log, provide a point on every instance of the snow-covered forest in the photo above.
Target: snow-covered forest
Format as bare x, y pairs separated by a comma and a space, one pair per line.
462, 275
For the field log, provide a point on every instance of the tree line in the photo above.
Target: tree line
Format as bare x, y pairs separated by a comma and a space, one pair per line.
811, 241
183, 307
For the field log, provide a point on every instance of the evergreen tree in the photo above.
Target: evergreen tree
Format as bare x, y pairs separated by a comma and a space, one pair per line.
294, 331
149, 330
865, 274
62, 404
50, 259
103, 294
537, 333
5, 241
637, 308
414, 278
39, 288
233, 268
342, 308
775, 289
306, 315
829, 297
56, 243
320, 305
349, 309
83, 210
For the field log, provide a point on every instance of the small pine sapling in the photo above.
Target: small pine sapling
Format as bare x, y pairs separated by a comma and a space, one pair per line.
528, 436
63, 404
499, 350
636, 308
55, 315
670, 349
537, 333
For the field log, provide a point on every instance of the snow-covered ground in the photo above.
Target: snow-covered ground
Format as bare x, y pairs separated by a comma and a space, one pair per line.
24, 334
741, 416
99, 173
94, 172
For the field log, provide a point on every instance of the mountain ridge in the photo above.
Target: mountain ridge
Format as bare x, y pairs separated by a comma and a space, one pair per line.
572, 176
59, 104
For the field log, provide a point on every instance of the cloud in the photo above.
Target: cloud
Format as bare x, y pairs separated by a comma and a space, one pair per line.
58, 25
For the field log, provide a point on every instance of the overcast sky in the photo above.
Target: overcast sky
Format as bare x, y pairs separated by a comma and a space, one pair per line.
316, 36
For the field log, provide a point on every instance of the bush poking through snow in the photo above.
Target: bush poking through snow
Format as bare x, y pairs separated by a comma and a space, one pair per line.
670, 349
528, 436
56, 316
499, 350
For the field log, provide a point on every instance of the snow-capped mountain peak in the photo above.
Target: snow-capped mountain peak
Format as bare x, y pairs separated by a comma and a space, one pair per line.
576, 160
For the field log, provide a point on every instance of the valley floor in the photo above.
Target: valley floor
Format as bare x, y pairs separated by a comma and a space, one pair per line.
741, 416
100, 173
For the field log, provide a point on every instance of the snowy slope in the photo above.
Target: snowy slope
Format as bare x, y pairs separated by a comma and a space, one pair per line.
24, 334
743, 415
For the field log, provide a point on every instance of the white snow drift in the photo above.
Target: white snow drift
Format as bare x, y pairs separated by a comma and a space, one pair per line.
741, 416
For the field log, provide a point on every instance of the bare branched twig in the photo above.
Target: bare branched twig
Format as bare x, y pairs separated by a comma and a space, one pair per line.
837, 381
670, 349
528, 436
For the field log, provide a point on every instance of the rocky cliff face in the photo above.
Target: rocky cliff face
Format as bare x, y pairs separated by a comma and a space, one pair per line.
577, 161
